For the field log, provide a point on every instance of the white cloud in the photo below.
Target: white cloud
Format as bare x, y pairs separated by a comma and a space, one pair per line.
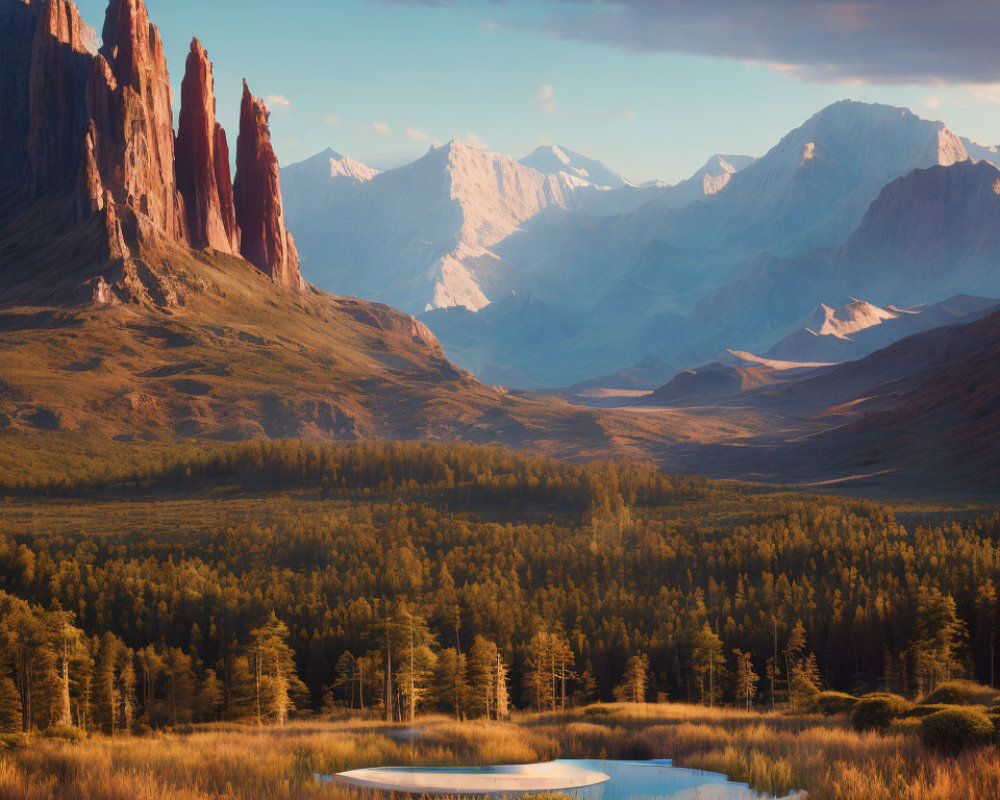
628, 113
474, 141
332, 120
932, 103
543, 100
373, 129
415, 135
278, 100
491, 25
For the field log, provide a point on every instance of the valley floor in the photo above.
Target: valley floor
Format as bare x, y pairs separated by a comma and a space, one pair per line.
773, 752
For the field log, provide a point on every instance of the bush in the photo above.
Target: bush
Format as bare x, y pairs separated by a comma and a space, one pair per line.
905, 726
65, 732
952, 730
876, 711
926, 709
830, 703
962, 693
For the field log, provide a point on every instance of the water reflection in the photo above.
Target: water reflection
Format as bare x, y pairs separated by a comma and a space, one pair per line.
658, 780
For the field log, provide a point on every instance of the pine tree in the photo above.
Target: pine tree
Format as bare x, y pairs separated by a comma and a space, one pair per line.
746, 679
500, 688
635, 683
482, 665
706, 658
272, 665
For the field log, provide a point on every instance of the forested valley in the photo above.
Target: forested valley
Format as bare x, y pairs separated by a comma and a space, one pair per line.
260, 580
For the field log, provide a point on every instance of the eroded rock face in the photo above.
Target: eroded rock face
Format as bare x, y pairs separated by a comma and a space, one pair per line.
128, 97
265, 241
202, 177
62, 49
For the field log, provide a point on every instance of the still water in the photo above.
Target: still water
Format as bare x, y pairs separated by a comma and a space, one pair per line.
658, 780
629, 780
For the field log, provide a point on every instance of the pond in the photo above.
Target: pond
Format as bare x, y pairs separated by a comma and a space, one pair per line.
586, 779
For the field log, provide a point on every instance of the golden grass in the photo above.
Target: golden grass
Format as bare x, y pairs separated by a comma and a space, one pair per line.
772, 752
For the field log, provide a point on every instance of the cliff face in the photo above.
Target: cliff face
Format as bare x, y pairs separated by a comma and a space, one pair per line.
17, 26
203, 160
260, 215
62, 49
129, 100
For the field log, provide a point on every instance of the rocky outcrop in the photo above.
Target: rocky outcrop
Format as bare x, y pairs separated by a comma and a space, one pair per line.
128, 97
265, 241
203, 176
62, 49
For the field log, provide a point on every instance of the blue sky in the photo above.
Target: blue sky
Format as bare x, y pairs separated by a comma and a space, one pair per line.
649, 94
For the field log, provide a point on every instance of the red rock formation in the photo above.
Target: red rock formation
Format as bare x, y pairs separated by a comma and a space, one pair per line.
128, 97
266, 242
201, 179
60, 64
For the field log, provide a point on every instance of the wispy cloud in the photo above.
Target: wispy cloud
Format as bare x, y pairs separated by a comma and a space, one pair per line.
278, 101
629, 113
926, 42
474, 141
373, 129
332, 120
544, 99
415, 135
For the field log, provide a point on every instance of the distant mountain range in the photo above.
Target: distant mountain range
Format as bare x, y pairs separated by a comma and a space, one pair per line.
555, 269
922, 412
150, 299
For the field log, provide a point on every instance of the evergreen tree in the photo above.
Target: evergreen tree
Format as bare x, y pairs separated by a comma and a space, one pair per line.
272, 666
746, 679
634, 686
706, 658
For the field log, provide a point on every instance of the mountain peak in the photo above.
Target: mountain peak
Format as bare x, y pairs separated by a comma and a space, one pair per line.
554, 159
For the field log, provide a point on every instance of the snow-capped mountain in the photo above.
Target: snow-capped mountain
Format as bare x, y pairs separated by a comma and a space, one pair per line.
929, 235
317, 181
556, 160
859, 328
732, 257
419, 237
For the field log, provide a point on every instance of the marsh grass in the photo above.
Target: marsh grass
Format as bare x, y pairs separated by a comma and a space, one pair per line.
771, 752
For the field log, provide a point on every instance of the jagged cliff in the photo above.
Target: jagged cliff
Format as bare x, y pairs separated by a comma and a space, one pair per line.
88, 136
266, 242
203, 175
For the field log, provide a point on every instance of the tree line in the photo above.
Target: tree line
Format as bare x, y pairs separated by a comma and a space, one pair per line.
400, 579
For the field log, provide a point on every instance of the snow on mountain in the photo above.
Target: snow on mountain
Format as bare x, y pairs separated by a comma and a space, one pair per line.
858, 329
848, 319
315, 181
556, 160
930, 234
419, 237
982, 152
733, 256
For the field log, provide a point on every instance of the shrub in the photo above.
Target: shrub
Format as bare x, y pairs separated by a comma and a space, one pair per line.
875, 711
830, 703
952, 730
65, 732
926, 709
962, 693
905, 726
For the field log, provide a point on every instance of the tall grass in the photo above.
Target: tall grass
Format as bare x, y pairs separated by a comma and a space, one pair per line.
771, 752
